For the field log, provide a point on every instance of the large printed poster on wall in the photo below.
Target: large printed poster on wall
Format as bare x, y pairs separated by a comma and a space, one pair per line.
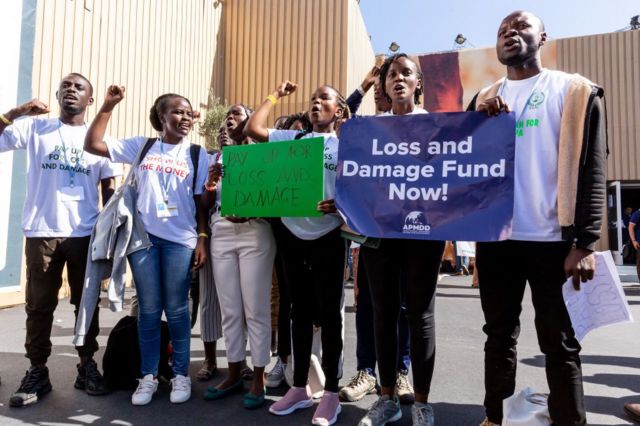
452, 79
17, 27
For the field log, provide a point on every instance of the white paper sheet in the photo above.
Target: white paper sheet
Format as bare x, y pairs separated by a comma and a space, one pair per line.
465, 248
599, 302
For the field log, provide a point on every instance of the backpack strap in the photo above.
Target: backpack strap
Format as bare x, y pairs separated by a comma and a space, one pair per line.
130, 179
302, 134
194, 153
145, 148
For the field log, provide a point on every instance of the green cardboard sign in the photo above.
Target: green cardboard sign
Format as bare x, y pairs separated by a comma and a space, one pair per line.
277, 179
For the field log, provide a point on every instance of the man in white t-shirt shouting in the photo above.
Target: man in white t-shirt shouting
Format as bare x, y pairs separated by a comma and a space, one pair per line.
559, 195
60, 210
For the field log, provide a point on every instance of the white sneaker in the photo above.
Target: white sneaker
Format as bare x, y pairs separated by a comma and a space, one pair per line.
147, 386
180, 389
275, 377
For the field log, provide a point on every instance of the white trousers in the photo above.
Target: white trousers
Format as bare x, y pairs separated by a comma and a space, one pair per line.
242, 256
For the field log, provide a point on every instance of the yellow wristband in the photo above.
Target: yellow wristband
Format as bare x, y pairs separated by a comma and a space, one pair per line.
203, 234
8, 122
273, 99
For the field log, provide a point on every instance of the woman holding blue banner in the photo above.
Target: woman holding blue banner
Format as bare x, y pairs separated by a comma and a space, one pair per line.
418, 263
242, 253
314, 255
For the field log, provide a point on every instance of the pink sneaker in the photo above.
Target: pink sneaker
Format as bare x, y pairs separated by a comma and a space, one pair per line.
327, 412
294, 399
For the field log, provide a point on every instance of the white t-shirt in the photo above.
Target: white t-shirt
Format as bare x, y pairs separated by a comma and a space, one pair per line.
171, 170
535, 210
311, 228
55, 158
416, 110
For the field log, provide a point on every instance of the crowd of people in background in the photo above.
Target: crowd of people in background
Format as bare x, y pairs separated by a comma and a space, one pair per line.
168, 220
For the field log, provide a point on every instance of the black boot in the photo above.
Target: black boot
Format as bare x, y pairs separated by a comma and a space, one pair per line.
90, 380
34, 385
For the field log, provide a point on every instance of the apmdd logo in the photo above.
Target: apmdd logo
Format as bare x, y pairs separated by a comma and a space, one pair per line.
416, 223
537, 98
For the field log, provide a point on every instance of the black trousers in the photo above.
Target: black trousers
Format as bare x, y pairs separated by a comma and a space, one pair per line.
418, 262
284, 300
503, 270
365, 334
46, 258
284, 310
314, 271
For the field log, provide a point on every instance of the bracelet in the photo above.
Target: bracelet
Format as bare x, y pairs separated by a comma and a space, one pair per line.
5, 120
203, 234
272, 99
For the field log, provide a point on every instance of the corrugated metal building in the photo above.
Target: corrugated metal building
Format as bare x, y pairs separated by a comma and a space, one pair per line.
309, 42
238, 50
613, 61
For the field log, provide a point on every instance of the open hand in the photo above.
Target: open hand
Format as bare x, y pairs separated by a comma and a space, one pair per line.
200, 255
370, 79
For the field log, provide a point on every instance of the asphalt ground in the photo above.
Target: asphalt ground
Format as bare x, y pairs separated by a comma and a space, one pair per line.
610, 356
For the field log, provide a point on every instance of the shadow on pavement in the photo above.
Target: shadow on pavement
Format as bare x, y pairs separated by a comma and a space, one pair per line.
456, 414
621, 361
603, 404
623, 381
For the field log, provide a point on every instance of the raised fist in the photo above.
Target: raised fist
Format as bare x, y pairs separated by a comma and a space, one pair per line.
286, 88
33, 107
114, 95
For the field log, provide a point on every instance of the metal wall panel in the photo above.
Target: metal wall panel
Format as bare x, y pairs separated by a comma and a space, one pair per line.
613, 61
359, 57
310, 42
149, 46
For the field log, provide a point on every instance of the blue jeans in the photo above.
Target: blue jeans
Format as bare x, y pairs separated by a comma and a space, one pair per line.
162, 275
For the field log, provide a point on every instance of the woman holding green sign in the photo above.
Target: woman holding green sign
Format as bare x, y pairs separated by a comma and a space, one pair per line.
314, 254
242, 252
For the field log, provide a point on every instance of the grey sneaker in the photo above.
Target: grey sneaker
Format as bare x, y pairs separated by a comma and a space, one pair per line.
383, 411
422, 415
404, 390
360, 385
275, 377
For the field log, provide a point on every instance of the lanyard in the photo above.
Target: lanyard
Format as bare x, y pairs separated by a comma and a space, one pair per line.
166, 180
70, 168
526, 104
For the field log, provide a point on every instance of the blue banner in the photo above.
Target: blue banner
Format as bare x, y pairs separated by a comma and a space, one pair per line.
439, 176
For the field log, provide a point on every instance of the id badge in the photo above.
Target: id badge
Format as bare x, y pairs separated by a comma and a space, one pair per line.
71, 193
166, 209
